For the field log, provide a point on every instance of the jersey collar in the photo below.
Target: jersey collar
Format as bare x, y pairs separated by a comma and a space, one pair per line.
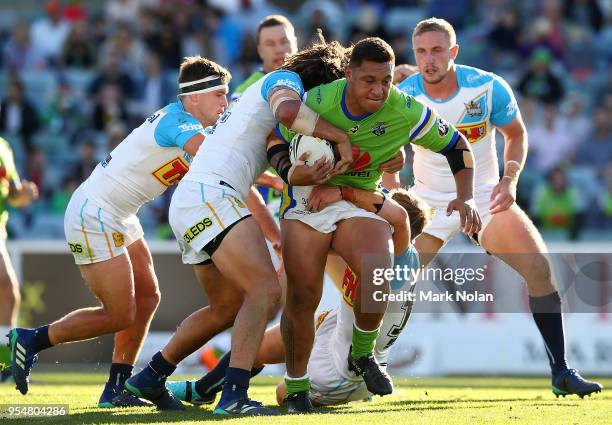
346, 111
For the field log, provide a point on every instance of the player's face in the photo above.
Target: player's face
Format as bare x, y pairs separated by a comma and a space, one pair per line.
275, 44
434, 55
369, 83
211, 105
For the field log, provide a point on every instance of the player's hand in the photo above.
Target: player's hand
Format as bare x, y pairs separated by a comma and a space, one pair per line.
270, 180
503, 195
395, 164
345, 149
403, 71
321, 196
468, 215
29, 190
302, 175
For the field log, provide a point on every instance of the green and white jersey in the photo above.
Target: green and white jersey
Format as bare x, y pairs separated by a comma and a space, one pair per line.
378, 137
253, 78
8, 178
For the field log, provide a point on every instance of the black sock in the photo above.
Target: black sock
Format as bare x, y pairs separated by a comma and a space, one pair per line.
40, 340
236, 384
547, 315
119, 373
160, 366
255, 371
212, 382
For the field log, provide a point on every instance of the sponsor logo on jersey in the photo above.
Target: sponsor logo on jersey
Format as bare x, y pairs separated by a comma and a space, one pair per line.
361, 161
190, 127
197, 228
285, 82
106, 161
350, 282
473, 132
319, 95
408, 101
171, 172
353, 129
442, 127
380, 128
118, 239
75, 248
473, 109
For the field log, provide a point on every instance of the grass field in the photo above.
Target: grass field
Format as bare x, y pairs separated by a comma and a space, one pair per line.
439, 401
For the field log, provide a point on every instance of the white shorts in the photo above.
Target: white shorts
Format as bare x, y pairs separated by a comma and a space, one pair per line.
293, 207
446, 227
95, 234
327, 385
199, 212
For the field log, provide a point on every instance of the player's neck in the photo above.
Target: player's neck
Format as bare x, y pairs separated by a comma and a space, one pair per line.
352, 106
445, 88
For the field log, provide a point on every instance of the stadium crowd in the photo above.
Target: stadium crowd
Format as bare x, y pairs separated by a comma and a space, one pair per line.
75, 76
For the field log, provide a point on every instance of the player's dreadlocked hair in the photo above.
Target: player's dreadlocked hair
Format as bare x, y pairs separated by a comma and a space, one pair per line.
321, 63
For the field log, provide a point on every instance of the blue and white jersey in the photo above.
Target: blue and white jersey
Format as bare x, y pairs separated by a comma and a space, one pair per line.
393, 323
484, 101
145, 163
235, 151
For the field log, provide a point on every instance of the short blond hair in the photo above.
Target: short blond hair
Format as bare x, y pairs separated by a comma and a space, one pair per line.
435, 24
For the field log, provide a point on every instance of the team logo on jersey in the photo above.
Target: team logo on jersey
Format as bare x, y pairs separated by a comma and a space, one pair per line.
473, 132
360, 161
118, 239
197, 228
171, 172
442, 127
380, 128
473, 109
353, 129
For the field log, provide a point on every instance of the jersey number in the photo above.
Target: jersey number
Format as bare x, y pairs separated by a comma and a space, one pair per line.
171, 172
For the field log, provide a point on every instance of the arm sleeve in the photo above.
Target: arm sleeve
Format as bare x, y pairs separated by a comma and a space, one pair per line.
281, 78
504, 107
176, 129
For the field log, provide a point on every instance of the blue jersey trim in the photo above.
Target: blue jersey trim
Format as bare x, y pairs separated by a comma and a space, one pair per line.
346, 111
423, 124
281, 78
451, 144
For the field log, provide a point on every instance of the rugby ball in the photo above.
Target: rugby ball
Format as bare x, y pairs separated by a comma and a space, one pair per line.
317, 148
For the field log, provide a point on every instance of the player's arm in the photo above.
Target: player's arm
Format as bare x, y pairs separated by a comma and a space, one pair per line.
435, 134
270, 180
375, 202
270, 229
506, 117
193, 144
21, 192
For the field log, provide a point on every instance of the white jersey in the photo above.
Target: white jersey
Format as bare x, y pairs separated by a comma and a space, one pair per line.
484, 101
394, 321
145, 163
235, 151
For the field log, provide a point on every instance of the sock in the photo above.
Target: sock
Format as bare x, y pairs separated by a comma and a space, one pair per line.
40, 339
236, 385
547, 315
119, 373
212, 382
363, 341
296, 385
160, 366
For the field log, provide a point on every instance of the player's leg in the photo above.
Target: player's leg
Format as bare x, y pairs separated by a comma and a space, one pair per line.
427, 246
354, 239
10, 299
254, 275
525, 252
128, 342
304, 255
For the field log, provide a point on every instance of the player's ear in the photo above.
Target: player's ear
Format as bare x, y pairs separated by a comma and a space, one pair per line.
348, 72
454, 51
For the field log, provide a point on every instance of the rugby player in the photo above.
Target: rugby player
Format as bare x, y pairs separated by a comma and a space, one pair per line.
217, 234
106, 238
380, 120
478, 103
331, 381
17, 194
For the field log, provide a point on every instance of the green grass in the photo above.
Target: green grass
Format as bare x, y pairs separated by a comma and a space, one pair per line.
439, 401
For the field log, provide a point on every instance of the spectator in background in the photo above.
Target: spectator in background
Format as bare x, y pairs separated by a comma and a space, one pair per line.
109, 108
556, 205
80, 170
122, 11
605, 199
585, 13
574, 119
112, 74
64, 114
78, 51
49, 33
504, 38
18, 116
19, 53
597, 150
154, 91
169, 47
126, 48
61, 196
549, 142
539, 82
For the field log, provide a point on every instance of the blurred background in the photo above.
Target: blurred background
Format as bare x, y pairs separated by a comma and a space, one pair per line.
76, 76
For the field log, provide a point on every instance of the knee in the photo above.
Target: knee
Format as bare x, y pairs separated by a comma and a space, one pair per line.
539, 271
225, 311
302, 300
274, 300
148, 302
120, 319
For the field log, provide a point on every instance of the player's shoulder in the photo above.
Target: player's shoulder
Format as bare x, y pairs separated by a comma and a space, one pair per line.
402, 102
469, 76
412, 85
280, 78
326, 96
174, 114
252, 79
